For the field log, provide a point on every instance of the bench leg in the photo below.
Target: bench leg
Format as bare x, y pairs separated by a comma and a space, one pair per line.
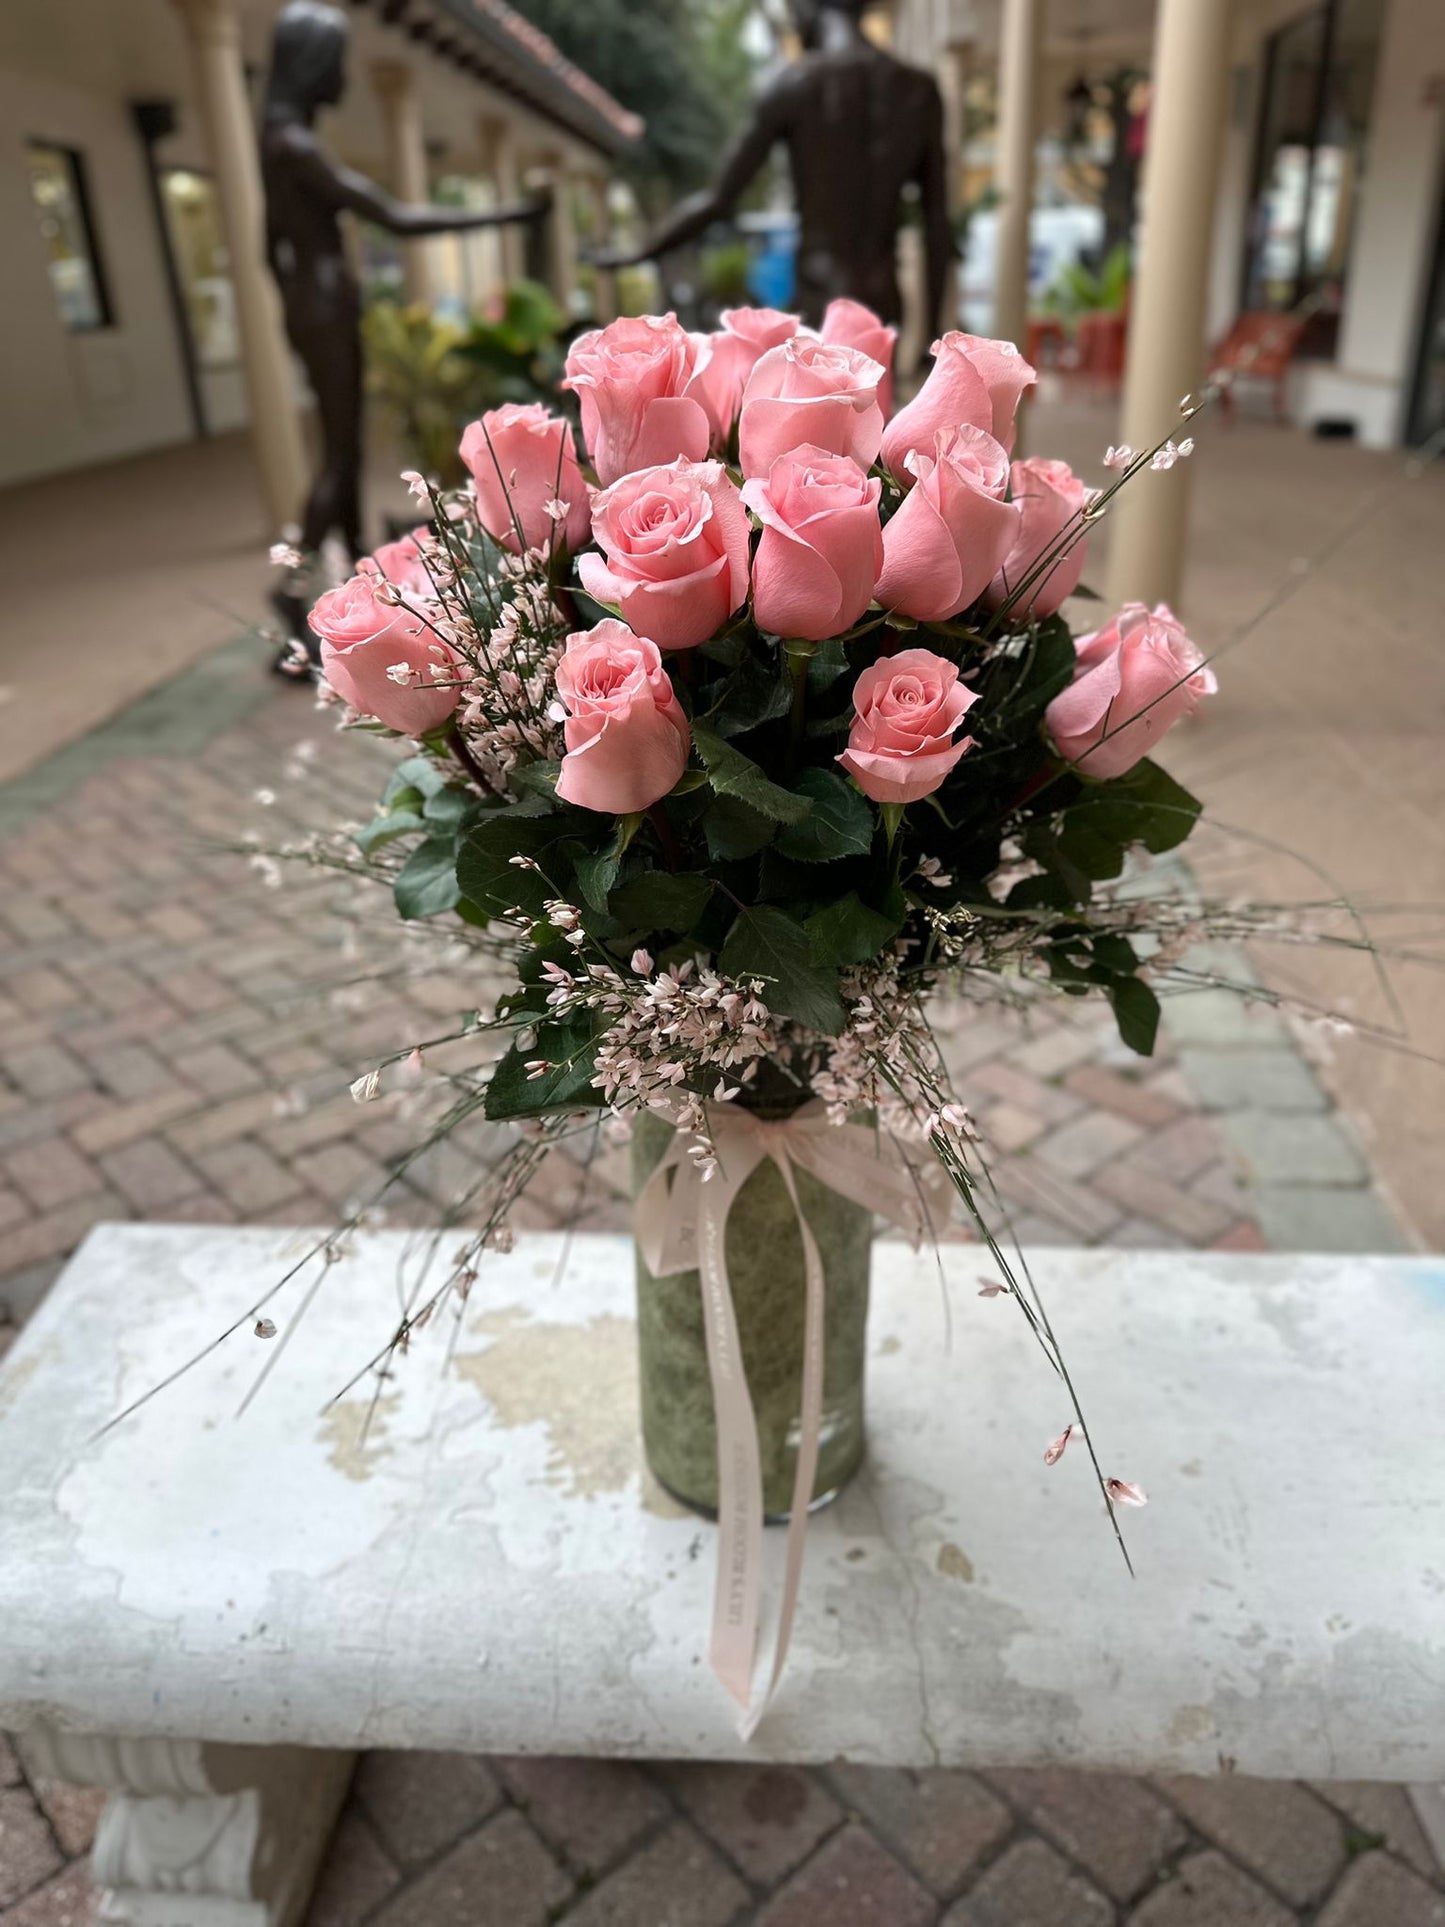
201, 1836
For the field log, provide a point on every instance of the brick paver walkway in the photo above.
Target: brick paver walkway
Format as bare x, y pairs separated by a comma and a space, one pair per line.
176, 1041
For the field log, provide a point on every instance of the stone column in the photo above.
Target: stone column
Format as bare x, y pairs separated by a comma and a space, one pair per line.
1167, 313
215, 39
499, 145
395, 86
561, 231
604, 280
1021, 32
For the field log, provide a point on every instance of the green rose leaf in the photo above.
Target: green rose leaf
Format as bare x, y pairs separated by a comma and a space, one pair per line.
1144, 806
766, 943
735, 775
426, 884
851, 931
661, 900
596, 873
1136, 1011
384, 829
418, 773
839, 824
734, 831
486, 874
512, 1092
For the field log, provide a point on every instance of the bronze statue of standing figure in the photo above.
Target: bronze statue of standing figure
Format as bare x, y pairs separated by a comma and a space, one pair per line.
306, 191
860, 126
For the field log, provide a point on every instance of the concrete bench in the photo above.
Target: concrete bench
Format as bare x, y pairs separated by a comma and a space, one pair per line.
211, 1616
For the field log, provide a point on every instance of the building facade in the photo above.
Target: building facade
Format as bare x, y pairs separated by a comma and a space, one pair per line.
1330, 178
137, 312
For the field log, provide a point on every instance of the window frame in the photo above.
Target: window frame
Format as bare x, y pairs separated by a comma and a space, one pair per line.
75, 162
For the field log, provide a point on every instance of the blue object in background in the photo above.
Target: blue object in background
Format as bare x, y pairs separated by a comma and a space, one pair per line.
773, 267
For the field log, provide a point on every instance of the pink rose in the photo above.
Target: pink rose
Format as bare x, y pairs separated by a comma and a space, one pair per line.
807, 393
627, 738
849, 324
906, 709
1050, 498
731, 355
945, 544
1132, 683
521, 458
362, 639
822, 545
400, 563
632, 378
972, 380
675, 544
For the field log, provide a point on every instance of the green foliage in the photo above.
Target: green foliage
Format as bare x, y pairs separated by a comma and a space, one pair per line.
723, 272
567, 1086
735, 775
851, 931
767, 943
1078, 290
840, 822
433, 376
681, 64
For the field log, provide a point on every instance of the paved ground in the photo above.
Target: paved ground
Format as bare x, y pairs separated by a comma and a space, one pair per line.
1323, 739
176, 1039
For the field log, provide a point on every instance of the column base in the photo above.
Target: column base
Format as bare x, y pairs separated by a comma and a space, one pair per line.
201, 1836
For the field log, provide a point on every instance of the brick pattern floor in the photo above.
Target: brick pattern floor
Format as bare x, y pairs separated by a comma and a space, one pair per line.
176, 1042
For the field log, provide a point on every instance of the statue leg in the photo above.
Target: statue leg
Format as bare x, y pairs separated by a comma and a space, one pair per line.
332, 357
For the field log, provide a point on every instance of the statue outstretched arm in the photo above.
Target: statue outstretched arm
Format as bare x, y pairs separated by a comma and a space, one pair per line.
937, 229
742, 163
344, 187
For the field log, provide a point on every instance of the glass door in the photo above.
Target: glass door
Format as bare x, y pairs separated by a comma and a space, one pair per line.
1427, 402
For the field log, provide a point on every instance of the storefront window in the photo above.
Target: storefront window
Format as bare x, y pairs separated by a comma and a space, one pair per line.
57, 189
198, 247
1318, 76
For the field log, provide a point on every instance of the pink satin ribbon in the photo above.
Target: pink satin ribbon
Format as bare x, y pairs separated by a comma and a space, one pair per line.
681, 1221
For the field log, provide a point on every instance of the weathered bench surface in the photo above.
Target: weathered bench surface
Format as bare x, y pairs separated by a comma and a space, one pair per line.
491, 1571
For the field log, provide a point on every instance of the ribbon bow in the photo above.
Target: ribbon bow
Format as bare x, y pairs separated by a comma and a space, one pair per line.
681, 1220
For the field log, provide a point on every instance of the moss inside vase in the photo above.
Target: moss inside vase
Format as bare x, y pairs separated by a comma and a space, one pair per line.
764, 1248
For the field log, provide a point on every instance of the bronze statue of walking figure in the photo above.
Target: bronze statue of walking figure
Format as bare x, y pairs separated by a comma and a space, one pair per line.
306, 191
860, 126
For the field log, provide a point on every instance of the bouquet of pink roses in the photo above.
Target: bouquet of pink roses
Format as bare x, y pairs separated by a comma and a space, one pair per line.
729, 754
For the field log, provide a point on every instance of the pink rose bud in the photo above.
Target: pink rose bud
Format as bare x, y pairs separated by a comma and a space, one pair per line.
632, 379
1050, 499
362, 639
947, 541
972, 380
1132, 683
906, 709
627, 737
400, 563
675, 544
521, 458
730, 357
848, 324
807, 393
822, 545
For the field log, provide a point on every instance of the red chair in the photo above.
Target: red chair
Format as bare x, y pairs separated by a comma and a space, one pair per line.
1100, 338
1260, 346
1047, 343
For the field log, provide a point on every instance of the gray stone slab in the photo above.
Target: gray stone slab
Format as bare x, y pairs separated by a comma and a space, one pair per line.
1311, 1217
1252, 1080
1219, 1019
1298, 1149
489, 1570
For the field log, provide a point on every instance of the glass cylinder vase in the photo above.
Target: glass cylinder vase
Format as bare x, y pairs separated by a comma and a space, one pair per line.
764, 1250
